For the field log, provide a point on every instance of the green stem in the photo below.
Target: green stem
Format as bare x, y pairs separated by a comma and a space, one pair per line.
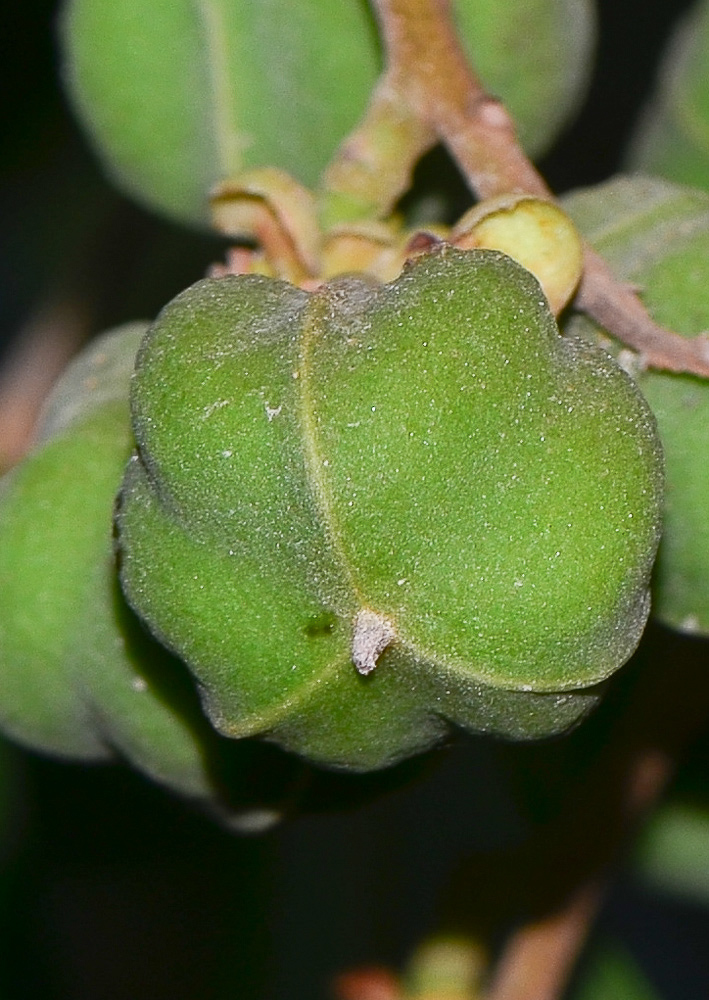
374, 166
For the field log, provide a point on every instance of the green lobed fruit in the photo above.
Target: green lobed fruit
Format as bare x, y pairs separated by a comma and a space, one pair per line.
79, 675
177, 95
369, 512
656, 235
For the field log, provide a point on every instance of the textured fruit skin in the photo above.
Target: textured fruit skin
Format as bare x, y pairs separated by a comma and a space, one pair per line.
177, 95
79, 675
655, 234
430, 451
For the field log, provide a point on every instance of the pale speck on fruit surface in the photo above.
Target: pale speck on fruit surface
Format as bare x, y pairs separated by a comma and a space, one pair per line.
213, 407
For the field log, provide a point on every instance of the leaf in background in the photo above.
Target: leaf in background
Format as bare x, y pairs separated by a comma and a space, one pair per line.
655, 235
673, 852
611, 974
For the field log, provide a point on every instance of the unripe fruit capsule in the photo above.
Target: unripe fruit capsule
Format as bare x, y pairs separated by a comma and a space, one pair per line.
369, 512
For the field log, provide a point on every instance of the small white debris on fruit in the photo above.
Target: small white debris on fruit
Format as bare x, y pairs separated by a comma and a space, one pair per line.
372, 635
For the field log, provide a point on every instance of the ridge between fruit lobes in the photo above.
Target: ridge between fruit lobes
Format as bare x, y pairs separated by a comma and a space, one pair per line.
655, 234
423, 479
178, 95
79, 675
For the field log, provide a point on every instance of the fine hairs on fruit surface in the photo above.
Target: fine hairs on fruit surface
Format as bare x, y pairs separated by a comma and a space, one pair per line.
366, 513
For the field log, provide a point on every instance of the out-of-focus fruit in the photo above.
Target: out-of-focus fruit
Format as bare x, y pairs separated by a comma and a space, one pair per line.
177, 96
79, 675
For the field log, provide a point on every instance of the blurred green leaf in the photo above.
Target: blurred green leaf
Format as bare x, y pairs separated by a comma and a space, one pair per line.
613, 975
673, 852
672, 139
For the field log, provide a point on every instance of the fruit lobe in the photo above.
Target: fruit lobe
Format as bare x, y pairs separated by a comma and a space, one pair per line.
428, 454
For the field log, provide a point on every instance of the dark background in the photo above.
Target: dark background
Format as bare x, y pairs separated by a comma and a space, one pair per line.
112, 890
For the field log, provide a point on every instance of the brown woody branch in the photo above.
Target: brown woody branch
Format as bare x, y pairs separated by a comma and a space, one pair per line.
428, 68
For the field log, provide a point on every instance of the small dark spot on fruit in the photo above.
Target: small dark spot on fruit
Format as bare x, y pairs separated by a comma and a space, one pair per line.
320, 625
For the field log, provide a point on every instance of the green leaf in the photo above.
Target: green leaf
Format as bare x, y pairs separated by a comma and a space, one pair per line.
656, 235
611, 974
672, 852
672, 139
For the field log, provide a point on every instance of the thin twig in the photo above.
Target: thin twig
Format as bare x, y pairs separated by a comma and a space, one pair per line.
615, 307
427, 64
539, 958
43, 347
